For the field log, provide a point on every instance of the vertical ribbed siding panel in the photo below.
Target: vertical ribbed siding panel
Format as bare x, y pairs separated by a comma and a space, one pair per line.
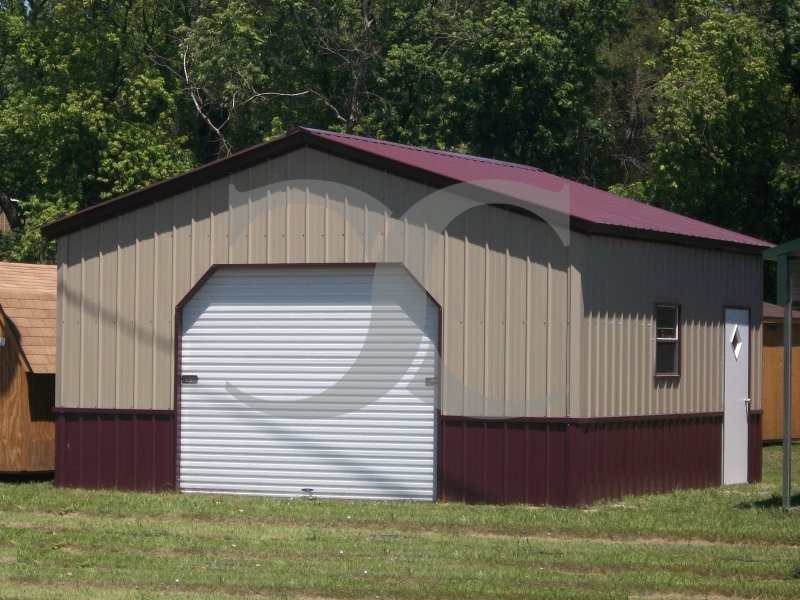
257, 223
182, 249
355, 218
557, 350
296, 217
239, 229
315, 216
89, 330
152, 257
496, 314
375, 221
70, 296
575, 372
163, 311
454, 319
143, 335
126, 293
264, 344
106, 297
543, 292
414, 258
622, 282
115, 449
62, 256
201, 232
475, 311
277, 215
220, 222
516, 326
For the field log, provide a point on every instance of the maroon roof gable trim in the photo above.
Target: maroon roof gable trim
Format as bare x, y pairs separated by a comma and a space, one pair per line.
173, 186
424, 166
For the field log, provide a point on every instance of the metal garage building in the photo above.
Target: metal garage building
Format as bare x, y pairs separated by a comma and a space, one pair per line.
336, 316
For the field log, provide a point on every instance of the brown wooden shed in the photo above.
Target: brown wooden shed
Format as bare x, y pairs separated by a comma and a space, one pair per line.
772, 373
27, 367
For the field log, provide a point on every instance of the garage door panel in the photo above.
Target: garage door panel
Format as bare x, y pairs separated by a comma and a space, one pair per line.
314, 379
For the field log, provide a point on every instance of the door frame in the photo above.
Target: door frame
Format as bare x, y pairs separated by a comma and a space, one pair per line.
746, 451
213, 268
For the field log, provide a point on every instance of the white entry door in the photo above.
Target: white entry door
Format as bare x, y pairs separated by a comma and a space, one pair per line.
737, 393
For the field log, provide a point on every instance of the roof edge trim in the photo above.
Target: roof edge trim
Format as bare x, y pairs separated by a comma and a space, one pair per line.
177, 184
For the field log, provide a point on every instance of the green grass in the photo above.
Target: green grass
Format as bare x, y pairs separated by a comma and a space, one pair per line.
720, 542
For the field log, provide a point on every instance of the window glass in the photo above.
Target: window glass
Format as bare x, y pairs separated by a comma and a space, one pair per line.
667, 340
667, 322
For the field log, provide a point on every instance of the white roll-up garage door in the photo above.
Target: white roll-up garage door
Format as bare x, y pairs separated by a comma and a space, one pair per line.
313, 382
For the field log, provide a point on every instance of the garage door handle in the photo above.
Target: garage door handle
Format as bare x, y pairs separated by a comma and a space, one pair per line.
189, 379
431, 381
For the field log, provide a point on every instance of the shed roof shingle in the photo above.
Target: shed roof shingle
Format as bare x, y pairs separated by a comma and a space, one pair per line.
28, 298
590, 209
774, 312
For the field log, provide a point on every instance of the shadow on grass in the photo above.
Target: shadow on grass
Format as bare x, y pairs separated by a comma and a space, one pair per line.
774, 501
26, 477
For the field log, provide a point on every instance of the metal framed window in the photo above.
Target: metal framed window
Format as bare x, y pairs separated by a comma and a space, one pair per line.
668, 340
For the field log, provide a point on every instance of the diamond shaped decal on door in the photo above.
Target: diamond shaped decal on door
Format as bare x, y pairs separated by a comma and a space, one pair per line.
736, 342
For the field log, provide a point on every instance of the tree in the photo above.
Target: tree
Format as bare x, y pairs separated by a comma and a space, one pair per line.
84, 113
689, 104
238, 64
720, 125
511, 80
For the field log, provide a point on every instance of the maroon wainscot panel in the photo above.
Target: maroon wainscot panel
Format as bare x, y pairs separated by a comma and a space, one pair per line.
127, 450
754, 447
572, 462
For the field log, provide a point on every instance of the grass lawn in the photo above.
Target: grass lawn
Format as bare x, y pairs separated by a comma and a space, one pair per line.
721, 542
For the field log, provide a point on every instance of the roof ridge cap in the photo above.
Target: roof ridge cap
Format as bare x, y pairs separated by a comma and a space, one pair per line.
423, 150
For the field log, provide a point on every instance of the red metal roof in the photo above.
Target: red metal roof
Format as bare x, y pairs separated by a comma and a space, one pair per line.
585, 203
590, 210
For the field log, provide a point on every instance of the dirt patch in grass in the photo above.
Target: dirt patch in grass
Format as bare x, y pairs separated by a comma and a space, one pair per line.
676, 596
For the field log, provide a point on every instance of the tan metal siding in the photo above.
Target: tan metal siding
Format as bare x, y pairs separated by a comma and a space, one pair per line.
515, 284
107, 301
144, 292
622, 282
89, 319
475, 312
126, 322
69, 339
163, 312
62, 255
502, 278
182, 269
201, 232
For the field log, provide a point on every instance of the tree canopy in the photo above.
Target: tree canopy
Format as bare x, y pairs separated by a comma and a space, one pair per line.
688, 104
